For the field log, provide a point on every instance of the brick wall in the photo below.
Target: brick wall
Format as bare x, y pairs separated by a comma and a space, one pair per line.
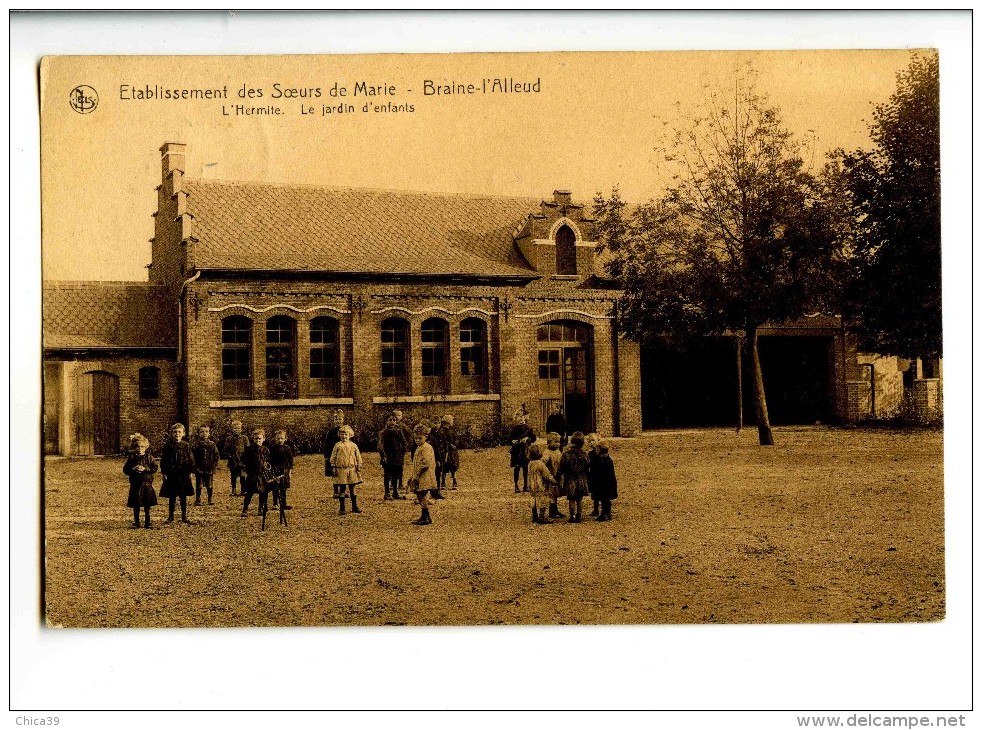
628, 388
149, 417
360, 308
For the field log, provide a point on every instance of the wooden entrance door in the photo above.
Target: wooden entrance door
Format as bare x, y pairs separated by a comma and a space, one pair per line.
576, 391
98, 414
565, 350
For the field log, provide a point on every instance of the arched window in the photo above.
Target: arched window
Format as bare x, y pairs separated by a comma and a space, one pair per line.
149, 382
435, 354
395, 355
324, 361
281, 357
565, 251
237, 357
474, 355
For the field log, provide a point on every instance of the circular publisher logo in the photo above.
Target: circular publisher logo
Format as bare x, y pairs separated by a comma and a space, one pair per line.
83, 99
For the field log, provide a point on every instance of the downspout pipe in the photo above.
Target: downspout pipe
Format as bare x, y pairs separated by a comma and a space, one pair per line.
181, 351
180, 317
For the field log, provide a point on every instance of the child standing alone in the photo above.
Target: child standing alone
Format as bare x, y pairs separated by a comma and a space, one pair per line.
423, 481
140, 467
177, 465
346, 463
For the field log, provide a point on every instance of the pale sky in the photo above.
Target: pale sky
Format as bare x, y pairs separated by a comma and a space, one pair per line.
593, 124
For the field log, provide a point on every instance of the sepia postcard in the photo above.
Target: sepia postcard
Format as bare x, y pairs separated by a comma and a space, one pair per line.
462, 340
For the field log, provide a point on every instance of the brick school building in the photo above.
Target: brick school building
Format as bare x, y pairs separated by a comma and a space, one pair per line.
277, 304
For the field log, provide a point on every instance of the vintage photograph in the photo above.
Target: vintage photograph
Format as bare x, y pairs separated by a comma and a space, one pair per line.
524, 339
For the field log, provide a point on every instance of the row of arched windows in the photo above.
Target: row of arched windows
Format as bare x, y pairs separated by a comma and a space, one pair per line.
323, 378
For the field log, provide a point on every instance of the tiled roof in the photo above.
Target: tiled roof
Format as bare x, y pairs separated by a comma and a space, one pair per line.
96, 314
253, 226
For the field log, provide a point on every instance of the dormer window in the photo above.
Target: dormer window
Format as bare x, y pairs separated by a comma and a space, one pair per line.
565, 251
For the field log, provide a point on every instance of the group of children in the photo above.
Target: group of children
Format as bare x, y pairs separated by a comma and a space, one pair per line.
257, 469
432, 449
573, 472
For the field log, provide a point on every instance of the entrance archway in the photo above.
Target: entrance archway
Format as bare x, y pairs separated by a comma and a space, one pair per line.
566, 372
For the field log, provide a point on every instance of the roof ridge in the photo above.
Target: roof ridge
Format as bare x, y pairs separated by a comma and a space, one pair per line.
357, 189
86, 283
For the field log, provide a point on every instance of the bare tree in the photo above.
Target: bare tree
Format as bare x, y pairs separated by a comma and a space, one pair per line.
744, 236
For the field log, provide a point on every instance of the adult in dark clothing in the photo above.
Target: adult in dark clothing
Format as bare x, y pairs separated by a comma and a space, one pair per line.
392, 452
521, 437
177, 465
331, 440
556, 423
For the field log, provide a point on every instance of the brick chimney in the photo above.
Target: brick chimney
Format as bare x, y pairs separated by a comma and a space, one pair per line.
170, 227
172, 164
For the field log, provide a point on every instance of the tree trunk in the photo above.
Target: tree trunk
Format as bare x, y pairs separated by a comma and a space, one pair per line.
739, 374
764, 434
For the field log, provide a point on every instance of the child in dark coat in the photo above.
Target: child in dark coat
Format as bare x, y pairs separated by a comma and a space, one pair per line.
281, 465
573, 474
591, 446
140, 467
206, 459
450, 454
235, 446
435, 439
603, 481
331, 439
177, 465
255, 463
392, 452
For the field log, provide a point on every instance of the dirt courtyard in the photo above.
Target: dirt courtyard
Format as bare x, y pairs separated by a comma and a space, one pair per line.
826, 526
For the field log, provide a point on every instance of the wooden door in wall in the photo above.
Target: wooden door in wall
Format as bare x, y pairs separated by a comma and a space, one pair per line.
52, 407
565, 376
98, 414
